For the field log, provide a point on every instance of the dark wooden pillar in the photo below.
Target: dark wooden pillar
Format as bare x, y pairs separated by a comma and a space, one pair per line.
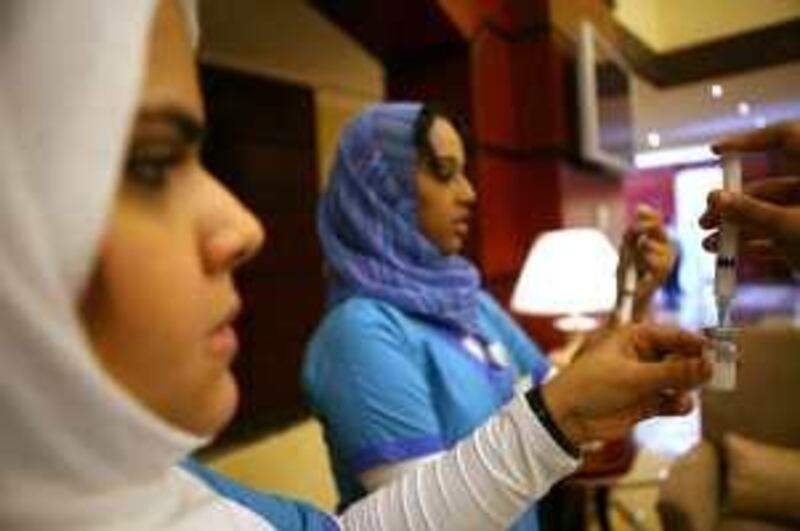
261, 144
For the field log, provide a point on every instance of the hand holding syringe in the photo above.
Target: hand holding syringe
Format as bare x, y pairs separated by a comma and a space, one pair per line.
767, 212
646, 259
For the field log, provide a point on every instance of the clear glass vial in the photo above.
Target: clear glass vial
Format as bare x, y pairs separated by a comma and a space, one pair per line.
722, 351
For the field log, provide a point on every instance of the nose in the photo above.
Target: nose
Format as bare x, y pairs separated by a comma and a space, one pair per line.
466, 192
236, 236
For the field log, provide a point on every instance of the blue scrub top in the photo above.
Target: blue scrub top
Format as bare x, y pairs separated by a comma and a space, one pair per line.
389, 387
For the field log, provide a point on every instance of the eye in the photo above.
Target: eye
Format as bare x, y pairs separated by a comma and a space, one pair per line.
445, 169
148, 165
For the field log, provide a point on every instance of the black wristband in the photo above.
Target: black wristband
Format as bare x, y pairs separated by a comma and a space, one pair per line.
539, 408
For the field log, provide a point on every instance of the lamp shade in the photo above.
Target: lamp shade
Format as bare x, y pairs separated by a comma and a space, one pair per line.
567, 271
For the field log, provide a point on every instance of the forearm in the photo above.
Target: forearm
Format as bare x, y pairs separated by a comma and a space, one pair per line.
379, 476
485, 482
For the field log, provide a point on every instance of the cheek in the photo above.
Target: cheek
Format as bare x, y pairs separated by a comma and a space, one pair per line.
157, 311
434, 220
430, 210
146, 313
154, 287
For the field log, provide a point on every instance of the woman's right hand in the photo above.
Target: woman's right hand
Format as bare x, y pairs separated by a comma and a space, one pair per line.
768, 210
647, 248
626, 375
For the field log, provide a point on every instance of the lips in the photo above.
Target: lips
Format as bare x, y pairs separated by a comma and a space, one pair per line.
223, 341
461, 225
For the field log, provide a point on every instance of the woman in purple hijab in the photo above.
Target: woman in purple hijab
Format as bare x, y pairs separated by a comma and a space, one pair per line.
413, 354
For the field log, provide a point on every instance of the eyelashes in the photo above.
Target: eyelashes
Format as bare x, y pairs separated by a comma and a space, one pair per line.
149, 163
444, 169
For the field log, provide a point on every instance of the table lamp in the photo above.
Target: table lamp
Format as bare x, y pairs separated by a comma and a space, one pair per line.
569, 273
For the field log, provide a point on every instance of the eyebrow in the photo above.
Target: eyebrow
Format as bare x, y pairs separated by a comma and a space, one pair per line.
189, 127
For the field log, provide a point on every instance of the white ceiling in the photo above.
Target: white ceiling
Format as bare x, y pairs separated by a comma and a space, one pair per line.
668, 25
687, 114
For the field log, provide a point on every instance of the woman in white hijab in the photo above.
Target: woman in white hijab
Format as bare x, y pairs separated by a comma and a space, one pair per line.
116, 300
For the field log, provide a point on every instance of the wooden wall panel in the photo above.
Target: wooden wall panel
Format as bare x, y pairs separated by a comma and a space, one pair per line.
444, 78
261, 144
518, 97
517, 200
592, 199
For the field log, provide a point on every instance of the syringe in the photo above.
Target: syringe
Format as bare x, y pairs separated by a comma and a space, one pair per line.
625, 311
725, 275
722, 349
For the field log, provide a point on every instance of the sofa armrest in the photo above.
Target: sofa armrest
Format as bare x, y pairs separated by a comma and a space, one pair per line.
689, 498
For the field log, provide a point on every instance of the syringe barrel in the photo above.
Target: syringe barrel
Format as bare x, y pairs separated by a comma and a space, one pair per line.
725, 276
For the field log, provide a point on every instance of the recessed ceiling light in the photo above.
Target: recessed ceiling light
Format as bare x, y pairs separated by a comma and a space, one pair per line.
760, 122
743, 108
653, 139
716, 91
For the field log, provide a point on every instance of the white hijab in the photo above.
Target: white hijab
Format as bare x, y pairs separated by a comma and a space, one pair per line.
76, 452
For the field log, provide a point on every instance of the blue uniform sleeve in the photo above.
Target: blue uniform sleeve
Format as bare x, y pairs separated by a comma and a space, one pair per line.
525, 353
283, 514
366, 383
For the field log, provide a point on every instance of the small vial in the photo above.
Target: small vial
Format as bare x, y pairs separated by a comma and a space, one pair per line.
723, 353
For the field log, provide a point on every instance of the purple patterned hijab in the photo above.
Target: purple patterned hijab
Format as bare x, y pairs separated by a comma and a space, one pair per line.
367, 223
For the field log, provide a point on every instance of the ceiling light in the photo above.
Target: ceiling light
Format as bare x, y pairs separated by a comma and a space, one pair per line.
674, 157
653, 139
743, 108
716, 91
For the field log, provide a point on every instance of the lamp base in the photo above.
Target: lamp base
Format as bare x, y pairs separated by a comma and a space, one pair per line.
576, 323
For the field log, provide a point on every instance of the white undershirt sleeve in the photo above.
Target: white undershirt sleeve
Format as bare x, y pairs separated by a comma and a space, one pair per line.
377, 477
485, 482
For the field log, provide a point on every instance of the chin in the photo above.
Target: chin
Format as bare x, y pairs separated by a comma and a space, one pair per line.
456, 247
220, 406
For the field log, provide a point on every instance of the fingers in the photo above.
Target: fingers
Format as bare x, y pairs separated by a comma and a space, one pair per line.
672, 404
649, 222
672, 374
654, 343
711, 218
778, 190
761, 246
784, 136
743, 210
751, 243
665, 403
646, 243
658, 255
647, 214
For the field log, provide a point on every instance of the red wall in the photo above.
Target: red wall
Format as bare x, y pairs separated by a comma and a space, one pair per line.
655, 188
